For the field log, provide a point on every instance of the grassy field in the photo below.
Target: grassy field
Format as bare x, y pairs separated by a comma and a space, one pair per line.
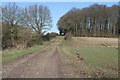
101, 54
12, 54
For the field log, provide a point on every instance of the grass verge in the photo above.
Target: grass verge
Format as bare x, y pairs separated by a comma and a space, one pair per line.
13, 54
9, 55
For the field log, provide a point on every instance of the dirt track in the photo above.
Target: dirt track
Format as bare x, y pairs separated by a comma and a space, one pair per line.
40, 65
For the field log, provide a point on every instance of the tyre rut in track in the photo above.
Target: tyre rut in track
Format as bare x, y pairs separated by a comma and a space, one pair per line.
36, 65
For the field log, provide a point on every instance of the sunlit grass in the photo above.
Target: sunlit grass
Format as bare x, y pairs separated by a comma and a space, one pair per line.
16, 53
100, 58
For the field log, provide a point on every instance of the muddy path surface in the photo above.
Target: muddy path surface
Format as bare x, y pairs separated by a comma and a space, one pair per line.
43, 64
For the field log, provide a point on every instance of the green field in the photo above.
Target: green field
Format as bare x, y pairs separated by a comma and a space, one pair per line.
99, 58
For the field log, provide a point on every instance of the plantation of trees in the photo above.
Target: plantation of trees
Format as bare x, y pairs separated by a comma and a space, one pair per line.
94, 21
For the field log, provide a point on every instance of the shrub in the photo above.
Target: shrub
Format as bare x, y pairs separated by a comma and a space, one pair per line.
49, 36
68, 36
46, 37
53, 35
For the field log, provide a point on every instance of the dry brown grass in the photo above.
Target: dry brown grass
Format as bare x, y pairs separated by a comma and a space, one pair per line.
93, 41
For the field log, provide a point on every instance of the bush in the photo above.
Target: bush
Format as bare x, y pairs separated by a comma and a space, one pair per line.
53, 35
38, 40
49, 36
35, 40
29, 43
46, 37
68, 36
6, 36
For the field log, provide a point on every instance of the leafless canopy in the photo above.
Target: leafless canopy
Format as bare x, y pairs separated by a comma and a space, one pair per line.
38, 17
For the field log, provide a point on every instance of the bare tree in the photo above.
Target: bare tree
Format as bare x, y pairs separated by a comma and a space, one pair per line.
11, 14
38, 17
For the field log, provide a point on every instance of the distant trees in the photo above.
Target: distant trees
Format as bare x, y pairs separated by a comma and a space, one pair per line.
96, 21
24, 25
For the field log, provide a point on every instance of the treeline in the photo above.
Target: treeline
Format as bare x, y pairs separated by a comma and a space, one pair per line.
94, 21
24, 25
